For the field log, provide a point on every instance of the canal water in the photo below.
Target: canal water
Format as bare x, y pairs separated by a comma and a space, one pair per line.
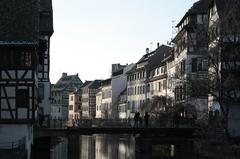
94, 147
113, 147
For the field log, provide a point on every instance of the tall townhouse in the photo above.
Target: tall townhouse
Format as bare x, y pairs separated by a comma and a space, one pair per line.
137, 86
122, 105
106, 88
119, 84
21, 50
99, 104
157, 79
74, 107
89, 91
60, 94
224, 68
111, 89
190, 56
46, 31
171, 73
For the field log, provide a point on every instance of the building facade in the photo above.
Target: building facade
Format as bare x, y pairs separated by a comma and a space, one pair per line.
74, 107
122, 105
21, 50
138, 88
99, 104
89, 91
190, 57
224, 69
106, 89
46, 31
60, 94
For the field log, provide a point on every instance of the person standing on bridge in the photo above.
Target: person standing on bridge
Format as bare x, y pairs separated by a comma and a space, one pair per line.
146, 116
136, 118
140, 121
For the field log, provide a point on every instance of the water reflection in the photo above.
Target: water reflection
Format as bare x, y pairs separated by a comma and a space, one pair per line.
110, 146
120, 147
95, 147
58, 148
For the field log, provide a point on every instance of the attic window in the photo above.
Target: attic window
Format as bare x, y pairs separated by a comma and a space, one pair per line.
199, 19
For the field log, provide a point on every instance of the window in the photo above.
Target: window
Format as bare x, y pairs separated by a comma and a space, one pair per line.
159, 86
199, 19
70, 107
202, 65
162, 70
164, 84
15, 58
148, 87
71, 98
182, 67
194, 64
129, 105
199, 64
180, 93
22, 98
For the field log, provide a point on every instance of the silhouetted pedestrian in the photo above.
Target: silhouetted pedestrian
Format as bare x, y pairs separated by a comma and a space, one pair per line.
136, 119
146, 116
128, 122
40, 117
140, 121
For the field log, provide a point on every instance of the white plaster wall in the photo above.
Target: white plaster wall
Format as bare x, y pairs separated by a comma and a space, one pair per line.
119, 83
98, 104
46, 103
171, 70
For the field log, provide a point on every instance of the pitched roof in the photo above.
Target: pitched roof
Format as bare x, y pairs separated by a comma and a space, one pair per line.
199, 7
86, 83
92, 84
65, 81
106, 82
46, 17
19, 21
95, 84
153, 59
161, 52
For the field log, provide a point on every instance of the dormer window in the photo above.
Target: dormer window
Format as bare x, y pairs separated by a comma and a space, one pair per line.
200, 19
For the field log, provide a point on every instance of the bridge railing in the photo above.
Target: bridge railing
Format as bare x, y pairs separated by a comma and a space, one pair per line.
60, 123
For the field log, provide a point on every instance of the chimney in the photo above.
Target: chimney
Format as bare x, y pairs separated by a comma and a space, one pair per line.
158, 45
147, 50
64, 74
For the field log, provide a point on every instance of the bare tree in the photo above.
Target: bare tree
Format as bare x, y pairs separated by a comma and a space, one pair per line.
224, 55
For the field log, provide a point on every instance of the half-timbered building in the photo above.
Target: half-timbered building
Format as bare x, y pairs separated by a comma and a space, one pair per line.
60, 95
21, 48
190, 58
46, 30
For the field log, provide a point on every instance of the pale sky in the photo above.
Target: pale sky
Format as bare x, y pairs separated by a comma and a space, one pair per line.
90, 35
